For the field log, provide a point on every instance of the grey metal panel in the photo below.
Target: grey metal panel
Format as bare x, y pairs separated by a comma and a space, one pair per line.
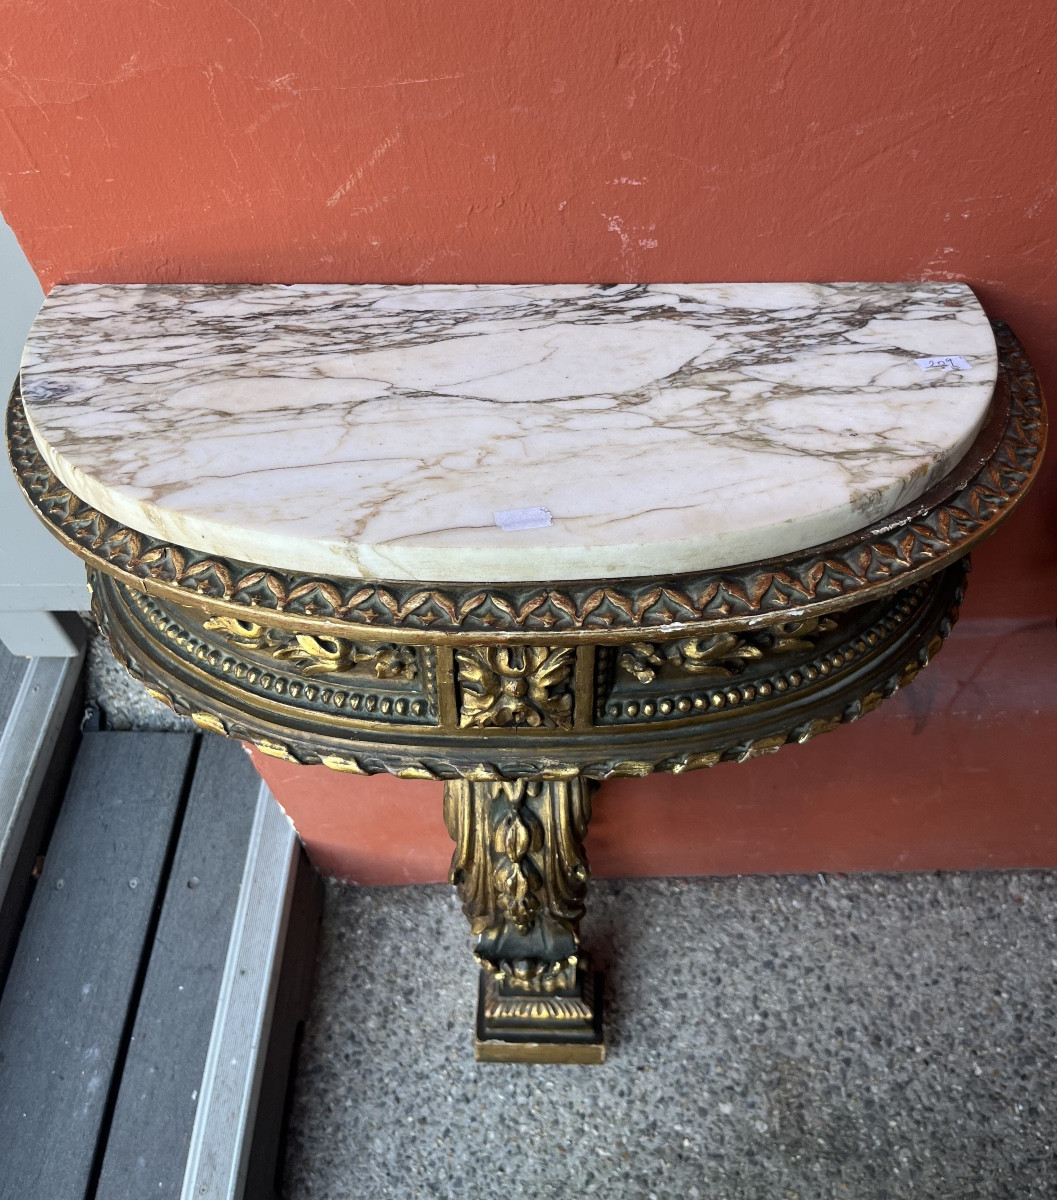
36, 571
221, 1140
34, 714
42, 634
12, 671
150, 1132
64, 1011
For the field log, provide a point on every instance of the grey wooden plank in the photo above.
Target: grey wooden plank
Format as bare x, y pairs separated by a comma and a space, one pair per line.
218, 1161
157, 1099
36, 750
65, 1008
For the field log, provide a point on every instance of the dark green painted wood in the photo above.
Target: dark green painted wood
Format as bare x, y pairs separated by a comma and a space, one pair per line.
292, 1001
151, 1129
77, 969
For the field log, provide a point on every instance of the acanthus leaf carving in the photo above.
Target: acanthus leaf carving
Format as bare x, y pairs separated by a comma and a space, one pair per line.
520, 870
507, 686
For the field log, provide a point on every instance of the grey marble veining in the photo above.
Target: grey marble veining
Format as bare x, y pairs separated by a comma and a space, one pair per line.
377, 431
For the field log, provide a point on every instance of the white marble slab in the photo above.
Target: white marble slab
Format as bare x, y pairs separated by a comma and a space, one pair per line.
376, 431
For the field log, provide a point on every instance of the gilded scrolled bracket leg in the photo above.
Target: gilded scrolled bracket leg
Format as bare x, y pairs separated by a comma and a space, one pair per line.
521, 872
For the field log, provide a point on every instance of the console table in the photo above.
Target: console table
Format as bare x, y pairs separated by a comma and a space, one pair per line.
523, 539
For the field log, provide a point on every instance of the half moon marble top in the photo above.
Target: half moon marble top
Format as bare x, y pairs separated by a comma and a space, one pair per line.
377, 431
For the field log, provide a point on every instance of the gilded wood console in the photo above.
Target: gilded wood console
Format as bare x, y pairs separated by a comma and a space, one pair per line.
523, 695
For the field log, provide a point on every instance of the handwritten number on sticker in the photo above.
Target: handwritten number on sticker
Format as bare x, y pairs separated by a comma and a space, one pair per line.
948, 362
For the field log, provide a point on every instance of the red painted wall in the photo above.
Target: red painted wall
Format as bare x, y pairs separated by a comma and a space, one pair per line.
458, 140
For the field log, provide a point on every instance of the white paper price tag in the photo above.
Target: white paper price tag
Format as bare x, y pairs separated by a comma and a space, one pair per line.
948, 362
509, 519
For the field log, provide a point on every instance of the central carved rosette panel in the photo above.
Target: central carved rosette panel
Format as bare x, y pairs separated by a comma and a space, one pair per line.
515, 686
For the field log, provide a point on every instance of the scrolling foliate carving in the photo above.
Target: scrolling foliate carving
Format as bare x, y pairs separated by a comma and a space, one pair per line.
720, 656
724, 654
793, 636
521, 873
314, 654
508, 686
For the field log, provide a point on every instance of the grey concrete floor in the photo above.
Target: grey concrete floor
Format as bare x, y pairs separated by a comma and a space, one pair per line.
867, 1037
